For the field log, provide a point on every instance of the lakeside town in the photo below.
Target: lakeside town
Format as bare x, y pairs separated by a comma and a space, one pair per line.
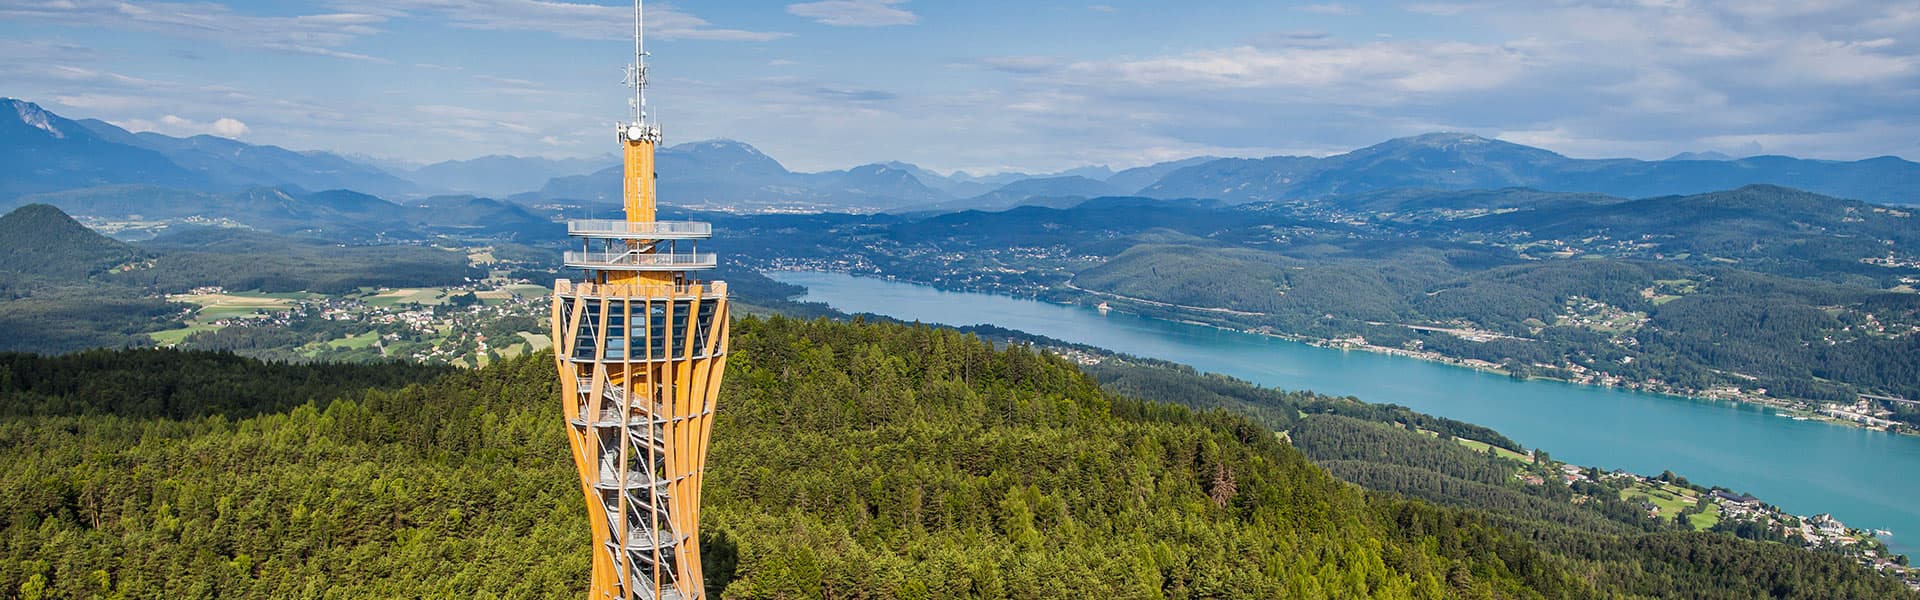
1672, 497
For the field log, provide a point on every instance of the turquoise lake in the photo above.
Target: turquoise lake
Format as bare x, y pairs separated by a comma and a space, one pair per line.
1865, 478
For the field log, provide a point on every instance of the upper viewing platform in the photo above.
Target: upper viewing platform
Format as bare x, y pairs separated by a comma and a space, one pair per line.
634, 260
649, 230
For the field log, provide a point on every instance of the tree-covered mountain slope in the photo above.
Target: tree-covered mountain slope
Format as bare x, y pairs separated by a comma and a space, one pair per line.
1593, 520
53, 295
42, 242
851, 460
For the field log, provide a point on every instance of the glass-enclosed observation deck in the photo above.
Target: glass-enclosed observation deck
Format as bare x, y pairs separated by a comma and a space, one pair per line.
630, 230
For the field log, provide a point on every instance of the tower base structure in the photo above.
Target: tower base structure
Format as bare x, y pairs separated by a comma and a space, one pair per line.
640, 366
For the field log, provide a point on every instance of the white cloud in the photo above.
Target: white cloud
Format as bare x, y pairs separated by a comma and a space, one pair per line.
1376, 71
1330, 8
317, 34
228, 127
1294, 39
102, 102
855, 13
505, 81
1022, 64
174, 125
566, 19
1443, 9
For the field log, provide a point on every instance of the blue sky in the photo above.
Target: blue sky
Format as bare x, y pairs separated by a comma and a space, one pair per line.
987, 85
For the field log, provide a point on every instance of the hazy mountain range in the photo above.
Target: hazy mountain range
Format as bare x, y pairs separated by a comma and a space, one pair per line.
1456, 161
44, 152
497, 175
144, 211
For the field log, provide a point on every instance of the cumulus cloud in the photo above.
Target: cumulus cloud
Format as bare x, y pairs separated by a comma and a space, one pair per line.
855, 13
174, 125
228, 127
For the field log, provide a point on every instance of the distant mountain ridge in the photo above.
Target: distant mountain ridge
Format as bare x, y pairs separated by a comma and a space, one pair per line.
43, 152
229, 163
1457, 161
500, 175
343, 215
715, 174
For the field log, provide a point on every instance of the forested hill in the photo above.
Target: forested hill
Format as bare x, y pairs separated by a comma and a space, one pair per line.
42, 242
850, 460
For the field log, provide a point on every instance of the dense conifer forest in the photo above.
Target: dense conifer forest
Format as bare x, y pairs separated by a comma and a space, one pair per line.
862, 460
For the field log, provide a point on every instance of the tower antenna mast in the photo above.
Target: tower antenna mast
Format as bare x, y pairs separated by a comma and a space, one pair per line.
637, 74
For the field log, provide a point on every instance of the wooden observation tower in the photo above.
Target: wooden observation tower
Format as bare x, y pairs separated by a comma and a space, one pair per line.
640, 345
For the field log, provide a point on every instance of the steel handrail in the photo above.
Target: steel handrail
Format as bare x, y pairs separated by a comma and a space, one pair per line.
690, 260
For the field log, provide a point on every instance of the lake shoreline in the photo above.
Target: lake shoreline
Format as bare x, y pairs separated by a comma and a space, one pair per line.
1798, 409
1802, 468
1785, 407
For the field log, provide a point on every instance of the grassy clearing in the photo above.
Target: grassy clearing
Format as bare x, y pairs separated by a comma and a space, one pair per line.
536, 340
480, 257
1482, 447
511, 351
227, 306
279, 295
527, 290
173, 337
362, 340
1706, 520
1673, 500
402, 296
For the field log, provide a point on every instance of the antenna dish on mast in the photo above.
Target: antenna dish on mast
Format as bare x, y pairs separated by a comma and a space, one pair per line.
641, 128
